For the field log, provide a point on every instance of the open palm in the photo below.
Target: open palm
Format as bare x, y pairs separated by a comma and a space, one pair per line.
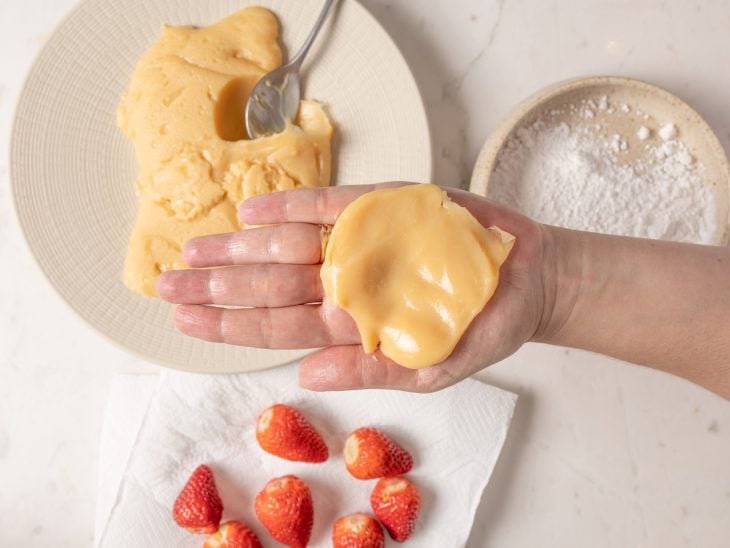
274, 271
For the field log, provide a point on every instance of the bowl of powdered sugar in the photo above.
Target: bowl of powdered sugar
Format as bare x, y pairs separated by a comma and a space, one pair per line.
611, 155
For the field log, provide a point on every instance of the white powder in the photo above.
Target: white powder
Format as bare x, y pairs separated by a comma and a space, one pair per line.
575, 178
619, 144
668, 131
643, 133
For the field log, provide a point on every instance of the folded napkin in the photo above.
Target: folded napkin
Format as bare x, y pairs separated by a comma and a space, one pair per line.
455, 436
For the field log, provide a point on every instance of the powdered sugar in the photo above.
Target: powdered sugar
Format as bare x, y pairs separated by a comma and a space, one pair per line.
668, 131
643, 133
572, 176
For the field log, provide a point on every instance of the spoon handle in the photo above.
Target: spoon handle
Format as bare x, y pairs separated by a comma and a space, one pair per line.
299, 57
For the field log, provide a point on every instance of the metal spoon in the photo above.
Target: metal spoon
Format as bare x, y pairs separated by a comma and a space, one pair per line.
275, 99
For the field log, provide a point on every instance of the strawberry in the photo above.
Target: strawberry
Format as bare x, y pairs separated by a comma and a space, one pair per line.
283, 431
396, 503
357, 531
198, 507
233, 534
284, 507
371, 454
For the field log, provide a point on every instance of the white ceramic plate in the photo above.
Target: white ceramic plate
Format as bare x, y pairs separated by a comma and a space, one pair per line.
72, 170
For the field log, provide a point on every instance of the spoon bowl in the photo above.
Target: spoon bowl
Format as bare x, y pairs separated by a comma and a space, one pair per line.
274, 101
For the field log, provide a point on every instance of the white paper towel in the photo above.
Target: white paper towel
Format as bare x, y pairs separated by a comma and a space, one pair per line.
129, 398
455, 436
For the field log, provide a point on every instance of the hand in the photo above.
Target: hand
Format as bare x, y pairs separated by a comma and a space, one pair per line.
277, 271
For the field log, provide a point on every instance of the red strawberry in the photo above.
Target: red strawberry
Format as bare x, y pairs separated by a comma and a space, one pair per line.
396, 503
357, 531
233, 534
371, 454
283, 431
284, 507
198, 507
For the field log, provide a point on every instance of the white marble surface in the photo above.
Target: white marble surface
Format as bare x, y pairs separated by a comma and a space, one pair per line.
601, 453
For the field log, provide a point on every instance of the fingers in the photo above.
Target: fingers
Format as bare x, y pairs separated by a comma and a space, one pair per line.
297, 241
288, 243
263, 285
305, 326
303, 205
349, 367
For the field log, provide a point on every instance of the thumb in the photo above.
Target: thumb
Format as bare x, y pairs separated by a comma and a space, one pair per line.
349, 367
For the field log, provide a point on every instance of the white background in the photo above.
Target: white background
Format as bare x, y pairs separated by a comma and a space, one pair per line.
600, 454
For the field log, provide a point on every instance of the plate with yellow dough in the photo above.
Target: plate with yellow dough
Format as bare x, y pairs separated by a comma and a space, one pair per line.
86, 191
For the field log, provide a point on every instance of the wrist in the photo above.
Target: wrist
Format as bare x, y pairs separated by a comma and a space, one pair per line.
563, 264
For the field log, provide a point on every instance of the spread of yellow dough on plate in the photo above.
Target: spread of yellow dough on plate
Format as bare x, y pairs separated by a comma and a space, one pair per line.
413, 269
184, 113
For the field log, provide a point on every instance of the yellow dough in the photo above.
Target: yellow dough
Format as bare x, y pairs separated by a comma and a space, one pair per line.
413, 269
184, 113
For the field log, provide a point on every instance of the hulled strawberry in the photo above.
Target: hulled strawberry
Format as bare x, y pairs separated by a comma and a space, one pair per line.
357, 531
396, 503
198, 507
371, 454
233, 534
284, 507
283, 431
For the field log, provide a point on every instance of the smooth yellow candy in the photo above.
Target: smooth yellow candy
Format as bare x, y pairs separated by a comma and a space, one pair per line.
413, 269
184, 113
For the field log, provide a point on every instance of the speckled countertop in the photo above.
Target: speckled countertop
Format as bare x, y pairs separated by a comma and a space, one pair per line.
600, 454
